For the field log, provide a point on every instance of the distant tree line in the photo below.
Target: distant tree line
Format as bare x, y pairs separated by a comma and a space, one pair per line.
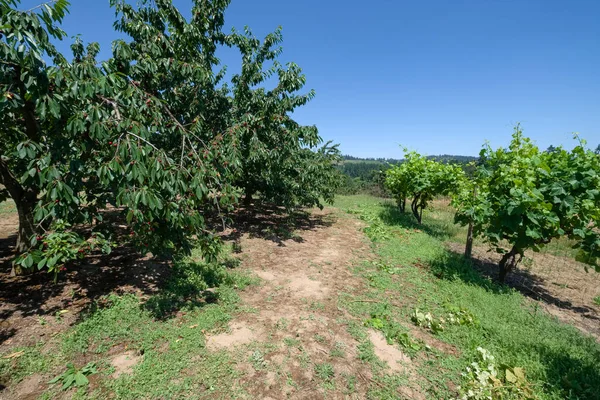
367, 175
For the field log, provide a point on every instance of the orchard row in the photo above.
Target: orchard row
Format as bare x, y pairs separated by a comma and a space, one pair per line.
518, 197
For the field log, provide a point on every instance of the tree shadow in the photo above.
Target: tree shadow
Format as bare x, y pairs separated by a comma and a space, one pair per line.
483, 272
481, 269
190, 285
269, 222
391, 215
524, 280
451, 266
165, 286
27, 298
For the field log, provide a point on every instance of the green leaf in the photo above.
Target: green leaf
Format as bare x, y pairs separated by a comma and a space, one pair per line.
129, 217
81, 379
42, 263
28, 261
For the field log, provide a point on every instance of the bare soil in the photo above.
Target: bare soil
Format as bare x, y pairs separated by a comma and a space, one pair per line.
559, 284
124, 363
298, 303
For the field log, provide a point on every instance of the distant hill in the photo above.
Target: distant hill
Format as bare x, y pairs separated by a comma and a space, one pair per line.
442, 158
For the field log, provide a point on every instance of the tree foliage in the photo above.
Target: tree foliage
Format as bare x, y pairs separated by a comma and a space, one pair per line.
527, 197
280, 159
420, 179
153, 134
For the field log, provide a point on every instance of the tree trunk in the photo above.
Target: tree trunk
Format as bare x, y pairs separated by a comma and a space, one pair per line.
414, 206
402, 204
509, 262
248, 197
26, 230
25, 199
469, 246
26, 225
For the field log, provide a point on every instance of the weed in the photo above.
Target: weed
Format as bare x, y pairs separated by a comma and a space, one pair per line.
426, 320
392, 331
59, 315
339, 350
75, 377
257, 360
483, 381
304, 358
290, 381
282, 324
319, 338
365, 351
350, 384
289, 342
324, 371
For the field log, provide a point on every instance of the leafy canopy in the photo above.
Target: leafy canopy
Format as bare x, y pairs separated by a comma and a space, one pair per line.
152, 137
527, 197
421, 179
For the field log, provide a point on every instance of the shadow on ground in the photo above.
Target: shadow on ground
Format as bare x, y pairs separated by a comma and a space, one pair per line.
25, 299
525, 281
269, 222
391, 215
482, 270
164, 286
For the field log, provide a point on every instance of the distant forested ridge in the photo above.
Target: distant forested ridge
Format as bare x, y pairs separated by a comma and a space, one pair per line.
364, 175
441, 157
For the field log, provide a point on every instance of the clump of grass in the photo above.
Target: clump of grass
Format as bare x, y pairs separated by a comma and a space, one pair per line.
290, 342
338, 350
324, 371
7, 207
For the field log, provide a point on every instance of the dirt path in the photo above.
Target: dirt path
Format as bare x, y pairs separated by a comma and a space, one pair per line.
310, 354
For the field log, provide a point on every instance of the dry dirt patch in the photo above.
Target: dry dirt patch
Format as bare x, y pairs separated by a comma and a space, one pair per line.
239, 334
296, 316
392, 356
124, 363
29, 388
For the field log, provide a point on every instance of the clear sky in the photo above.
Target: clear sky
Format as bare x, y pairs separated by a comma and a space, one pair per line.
438, 76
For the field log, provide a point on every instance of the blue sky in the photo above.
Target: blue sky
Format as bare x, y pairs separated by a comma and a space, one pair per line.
438, 76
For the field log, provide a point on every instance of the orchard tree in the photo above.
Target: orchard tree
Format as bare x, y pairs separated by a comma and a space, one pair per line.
421, 179
526, 198
397, 181
256, 139
280, 159
79, 136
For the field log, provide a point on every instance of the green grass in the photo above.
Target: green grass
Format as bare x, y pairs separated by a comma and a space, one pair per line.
167, 329
415, 270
